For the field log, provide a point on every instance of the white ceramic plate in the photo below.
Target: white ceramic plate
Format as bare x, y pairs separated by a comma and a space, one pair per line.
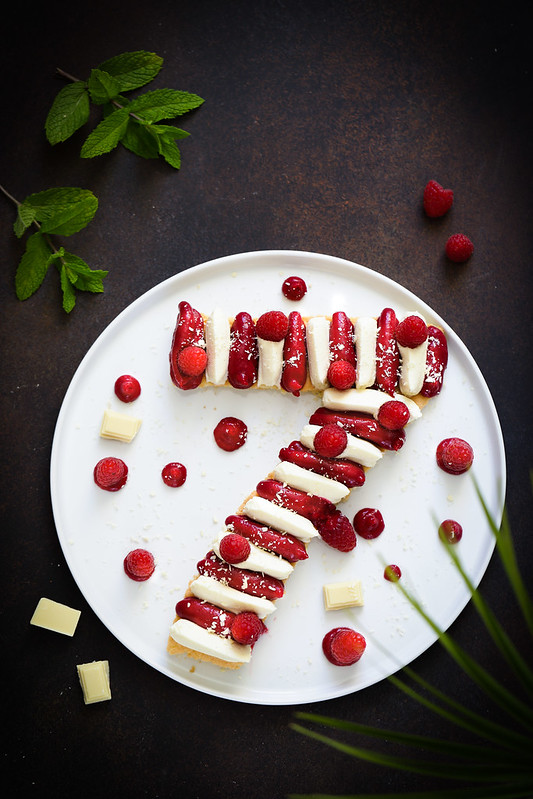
97, 529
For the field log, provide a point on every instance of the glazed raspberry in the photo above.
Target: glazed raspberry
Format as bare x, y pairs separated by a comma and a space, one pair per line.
368, 523
272, 326
230, 433
392, 573
110, 474
343, 646
341, 375
411, 332
234, 548
246, 628
139, 564
174, 474
459, 248
294, 288
437, 201
455, 455
450, 531
192, 361
330, 441
393, 415
127, 388
337, 532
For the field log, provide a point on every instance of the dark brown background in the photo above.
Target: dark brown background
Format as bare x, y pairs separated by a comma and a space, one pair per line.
321, 125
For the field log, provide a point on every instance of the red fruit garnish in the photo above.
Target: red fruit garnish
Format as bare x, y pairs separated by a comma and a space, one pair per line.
272, 326
127, 388
393, 415
234, 548
243, 358
337, 532
343, 646
139, 564
192, 361
246, 628
455, 455
368, 523
294, 288
411, 331
437, 201
459, 248
230, 433
450, 531
392, 573
205, 615
174, 474
330, 440
110, 474
341, 375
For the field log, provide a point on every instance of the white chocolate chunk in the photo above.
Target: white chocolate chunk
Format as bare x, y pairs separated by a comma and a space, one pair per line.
368, 400
194, 637
119, 426
259, 560
305, 480
356, 449
270, 363
94, 681
211, 590
286, 521
365, 334
55, 616
413, 366
343, 595
318, 350
217, 344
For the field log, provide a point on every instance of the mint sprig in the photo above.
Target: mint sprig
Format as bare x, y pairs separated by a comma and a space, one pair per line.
55, 212
132, 122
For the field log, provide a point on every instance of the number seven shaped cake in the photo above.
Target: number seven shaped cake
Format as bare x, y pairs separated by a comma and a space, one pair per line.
373, 375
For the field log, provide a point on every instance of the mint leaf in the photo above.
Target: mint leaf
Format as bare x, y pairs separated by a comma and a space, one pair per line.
62, 211
169, 132
106, 135
139, 140
25, 217
164, 104
170, 152
102, 87
133, 70
81, 275
69, 294
69, 111
33, 266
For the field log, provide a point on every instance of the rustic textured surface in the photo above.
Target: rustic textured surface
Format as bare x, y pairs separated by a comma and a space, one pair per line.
322, 123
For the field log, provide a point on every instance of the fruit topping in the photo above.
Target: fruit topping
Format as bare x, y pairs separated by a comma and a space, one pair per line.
192, 361
343, 646
234, 548
309, 506
411, 331
139, 564
230, 433
337, 532
243, 354
343, 471
247, 627
393, 415
127, 388
341, 338
361, 425
205, 615
174, 474
330, 441
387, 355
436, 362
455, 455
289, 547
392, 573
244, 580
110, 474
450, 531
436, 200
272, 326
294, 288
294, 372
459, 248
368, 523
341, 375
189, 330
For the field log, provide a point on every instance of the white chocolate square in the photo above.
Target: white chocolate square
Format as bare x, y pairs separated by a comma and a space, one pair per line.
119, 426
343, 595
55, 616
94, 680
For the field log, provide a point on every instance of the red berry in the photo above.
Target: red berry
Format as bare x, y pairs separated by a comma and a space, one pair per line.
127, 388
437, 201
337, 532
454, 455
368, 523
459, 248
341, 375
230, 433
393, 415
139, 564
392, 573
272, 326
192, 361
343, 646
110, 474
174, 474
234, 548
294, 288
450, 531
330, 440
246, 628
411, 331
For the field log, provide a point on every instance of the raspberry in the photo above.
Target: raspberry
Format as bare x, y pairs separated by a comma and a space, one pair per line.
392, 573
343, 646
294, 288
341, 375
110, 474
192, 361
127, 388
459, 248
454, 455
368, 523
139, 564
234, 548
411, 332
330, 440
437, 201
246, 628
393, 415
337, 532
272, 326
230, 433
450, 531
174, 474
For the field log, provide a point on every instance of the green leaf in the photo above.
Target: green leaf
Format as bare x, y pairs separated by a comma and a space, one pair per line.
69, 111
62, 211
81, 275
102, 87
33, 266
169, 132
25, 217
170, 152
106, 135
139, 139
133, 70
69, 295
164, 104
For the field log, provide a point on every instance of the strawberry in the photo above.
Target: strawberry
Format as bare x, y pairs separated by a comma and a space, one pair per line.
247, 627
294, 288
192, 361
205, 615
459, 248
393, 415
437, 201
272, 326
284, 544
139, 564
411, 331
346, 472
455, 455
341, 375
234, 548
248, 582
110, 474
174, 474
343, 646
337, 532
330, 441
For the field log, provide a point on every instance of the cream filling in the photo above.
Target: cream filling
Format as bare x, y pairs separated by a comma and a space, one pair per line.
270, 362
358, 450
259, 560
367, 400
286, 521
193, 636
365, 333
311, 483
217, 344
211, 590
318, 357
413, 366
